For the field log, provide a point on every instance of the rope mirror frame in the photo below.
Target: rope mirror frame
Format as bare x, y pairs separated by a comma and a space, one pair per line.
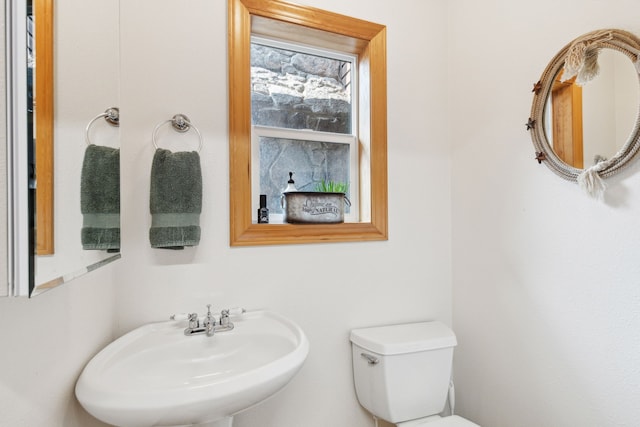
618, 40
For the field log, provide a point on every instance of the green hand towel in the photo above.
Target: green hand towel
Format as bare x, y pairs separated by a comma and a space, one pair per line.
175, 199
100, 198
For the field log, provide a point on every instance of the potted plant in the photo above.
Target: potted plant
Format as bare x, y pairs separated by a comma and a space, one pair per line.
323, 206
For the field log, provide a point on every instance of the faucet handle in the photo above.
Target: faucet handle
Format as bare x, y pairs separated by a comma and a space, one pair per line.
224, 317
179, 316
193, 320
236, 311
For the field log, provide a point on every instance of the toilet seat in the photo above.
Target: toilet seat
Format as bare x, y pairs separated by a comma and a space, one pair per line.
451, 421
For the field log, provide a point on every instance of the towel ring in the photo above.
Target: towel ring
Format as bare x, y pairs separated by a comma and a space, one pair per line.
111, 116
181, 124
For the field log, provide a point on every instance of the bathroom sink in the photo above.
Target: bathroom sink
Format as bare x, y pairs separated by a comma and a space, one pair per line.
157, 376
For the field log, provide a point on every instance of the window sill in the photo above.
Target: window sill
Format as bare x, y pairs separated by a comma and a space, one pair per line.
280, 234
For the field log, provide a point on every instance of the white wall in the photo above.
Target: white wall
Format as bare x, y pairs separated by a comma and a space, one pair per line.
545, 280
174, 61
46, 341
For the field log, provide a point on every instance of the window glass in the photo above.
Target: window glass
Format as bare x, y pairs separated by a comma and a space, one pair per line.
300, 90
312, 162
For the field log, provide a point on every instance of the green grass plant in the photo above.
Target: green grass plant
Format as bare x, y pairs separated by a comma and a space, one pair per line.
332, 187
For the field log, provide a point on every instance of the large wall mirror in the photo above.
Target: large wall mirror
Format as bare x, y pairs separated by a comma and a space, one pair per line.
63, 141
585, 122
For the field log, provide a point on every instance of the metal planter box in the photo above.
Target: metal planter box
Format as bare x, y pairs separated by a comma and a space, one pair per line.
312, 207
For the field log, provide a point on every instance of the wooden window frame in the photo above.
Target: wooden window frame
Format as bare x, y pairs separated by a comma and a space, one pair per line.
324, 29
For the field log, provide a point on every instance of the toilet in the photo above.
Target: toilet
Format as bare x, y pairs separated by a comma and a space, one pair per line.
402, 373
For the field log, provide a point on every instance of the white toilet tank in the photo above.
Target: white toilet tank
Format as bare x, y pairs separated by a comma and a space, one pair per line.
402, 372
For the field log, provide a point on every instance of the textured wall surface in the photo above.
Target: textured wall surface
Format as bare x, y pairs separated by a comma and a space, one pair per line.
545, 280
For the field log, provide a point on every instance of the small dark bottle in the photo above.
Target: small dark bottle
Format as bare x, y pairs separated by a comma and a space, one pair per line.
263, 211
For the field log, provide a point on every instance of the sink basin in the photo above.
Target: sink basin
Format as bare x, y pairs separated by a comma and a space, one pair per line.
157, 376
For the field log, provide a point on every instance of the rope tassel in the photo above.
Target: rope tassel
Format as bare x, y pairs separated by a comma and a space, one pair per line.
591, 183
582, 58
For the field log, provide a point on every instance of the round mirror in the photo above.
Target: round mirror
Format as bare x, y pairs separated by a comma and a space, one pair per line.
585, 115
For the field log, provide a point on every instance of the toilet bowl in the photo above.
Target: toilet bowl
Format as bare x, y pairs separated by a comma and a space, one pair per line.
402, 373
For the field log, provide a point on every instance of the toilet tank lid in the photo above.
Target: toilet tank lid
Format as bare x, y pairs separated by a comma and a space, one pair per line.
405, 338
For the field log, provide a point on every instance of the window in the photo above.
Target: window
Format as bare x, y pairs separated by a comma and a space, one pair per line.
309, 90
313, 157
347, 145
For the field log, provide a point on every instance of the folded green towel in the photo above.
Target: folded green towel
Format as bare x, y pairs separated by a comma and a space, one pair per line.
100, 198
175, 199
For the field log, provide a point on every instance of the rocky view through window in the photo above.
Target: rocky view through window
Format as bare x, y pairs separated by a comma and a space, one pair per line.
295, 90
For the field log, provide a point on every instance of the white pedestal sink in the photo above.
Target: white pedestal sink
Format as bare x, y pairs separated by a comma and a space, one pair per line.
157, 376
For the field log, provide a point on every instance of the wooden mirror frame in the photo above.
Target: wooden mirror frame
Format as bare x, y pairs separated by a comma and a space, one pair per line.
363, 38
43, 120
619, 40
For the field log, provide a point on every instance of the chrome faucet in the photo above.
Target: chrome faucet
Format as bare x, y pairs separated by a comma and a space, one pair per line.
209, 322
208, 326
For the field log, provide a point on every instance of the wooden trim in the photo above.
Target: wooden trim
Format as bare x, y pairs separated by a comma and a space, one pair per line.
566, 111
311, 17
369, 41
43, 122
377, 123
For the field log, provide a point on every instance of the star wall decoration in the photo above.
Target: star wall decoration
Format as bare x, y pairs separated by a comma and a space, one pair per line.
537, 87
530, 123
